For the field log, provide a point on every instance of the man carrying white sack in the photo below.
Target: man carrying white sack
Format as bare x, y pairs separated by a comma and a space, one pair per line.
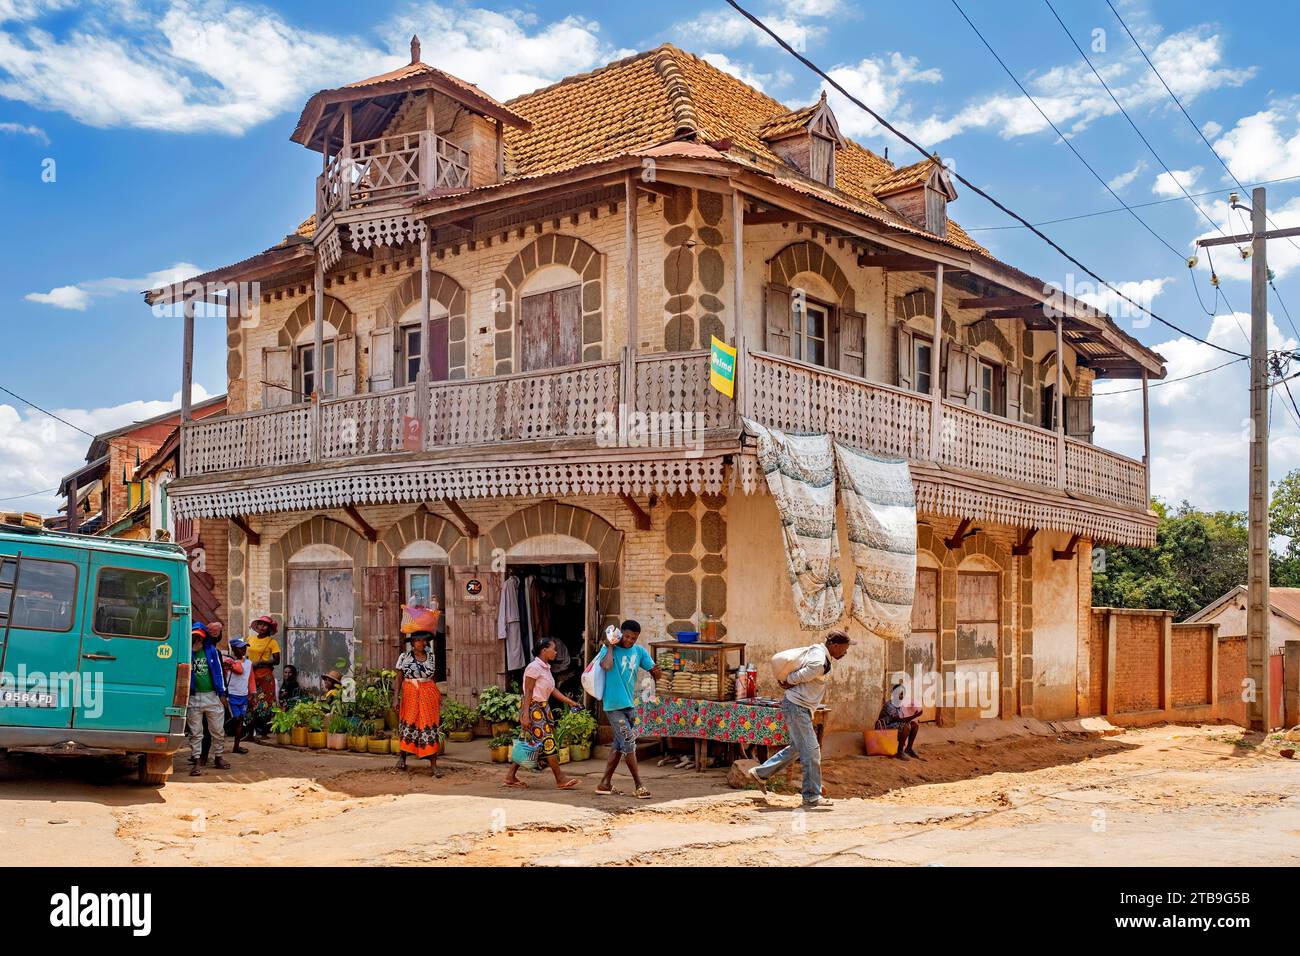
805, 674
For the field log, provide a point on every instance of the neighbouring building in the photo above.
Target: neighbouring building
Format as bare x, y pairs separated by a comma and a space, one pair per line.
1229, 613
422, 378
121, 492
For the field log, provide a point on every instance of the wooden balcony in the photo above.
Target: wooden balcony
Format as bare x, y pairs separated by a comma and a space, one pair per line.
389, 169
670, 397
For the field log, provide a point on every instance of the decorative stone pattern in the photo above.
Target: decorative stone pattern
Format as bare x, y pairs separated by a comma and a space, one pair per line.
931, 538
985, 330
551, 249
554, 517
694, 269
422, 526
336, 313
317, 530
920, 303
695, 582
804, 256
445, 291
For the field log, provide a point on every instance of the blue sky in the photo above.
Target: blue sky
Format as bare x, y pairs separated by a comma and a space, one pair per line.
165, 126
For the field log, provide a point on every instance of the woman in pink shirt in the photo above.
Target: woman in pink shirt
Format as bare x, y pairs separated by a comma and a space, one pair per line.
535, 715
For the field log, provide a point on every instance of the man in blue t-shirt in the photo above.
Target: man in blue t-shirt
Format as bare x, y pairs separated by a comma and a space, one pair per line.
621, 659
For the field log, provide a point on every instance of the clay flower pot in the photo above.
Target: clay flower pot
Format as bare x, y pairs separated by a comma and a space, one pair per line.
337, 741
298, 737
317, 739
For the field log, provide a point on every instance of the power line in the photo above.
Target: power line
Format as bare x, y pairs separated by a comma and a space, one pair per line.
1136, 205
1170, 381
30, 494
46, 412
781, 41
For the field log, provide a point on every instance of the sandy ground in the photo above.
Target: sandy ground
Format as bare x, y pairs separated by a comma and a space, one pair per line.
1158, 796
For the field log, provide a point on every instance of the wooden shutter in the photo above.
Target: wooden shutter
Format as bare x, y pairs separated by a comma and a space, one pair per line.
1014, 399
776, 317
383, 641
535, 319
972, 379
345, 366
474, 651
852, 343
906, 358
1078, 418
958, 370
439, 350
277, 375
381, 360
567, 309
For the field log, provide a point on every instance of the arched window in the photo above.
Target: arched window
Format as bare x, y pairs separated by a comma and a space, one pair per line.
410, 352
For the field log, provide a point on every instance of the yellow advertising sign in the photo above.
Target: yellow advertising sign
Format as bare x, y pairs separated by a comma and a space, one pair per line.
722, 367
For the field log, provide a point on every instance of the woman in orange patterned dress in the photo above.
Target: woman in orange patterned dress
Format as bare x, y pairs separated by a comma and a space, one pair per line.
416, 696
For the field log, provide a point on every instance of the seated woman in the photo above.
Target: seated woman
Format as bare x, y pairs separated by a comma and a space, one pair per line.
290, 692
896, 715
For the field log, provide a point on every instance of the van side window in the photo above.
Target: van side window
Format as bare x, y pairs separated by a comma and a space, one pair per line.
130, 603
45, 596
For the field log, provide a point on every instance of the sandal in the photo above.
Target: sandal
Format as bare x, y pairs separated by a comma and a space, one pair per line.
517, 784
608, 792
642, 793
568, 784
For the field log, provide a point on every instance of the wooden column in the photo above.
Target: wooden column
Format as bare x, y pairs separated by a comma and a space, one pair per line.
936, 347
1060, 405
743, 402
501, 153
632, 267
187, 361
422, 382
74, 512
1146, 436
345, 159
318, 340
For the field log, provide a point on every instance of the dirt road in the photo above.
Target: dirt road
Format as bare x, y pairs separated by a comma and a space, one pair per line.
1161, 796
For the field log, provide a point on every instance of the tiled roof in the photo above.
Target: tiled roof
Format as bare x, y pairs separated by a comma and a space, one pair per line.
908, 177
788, 122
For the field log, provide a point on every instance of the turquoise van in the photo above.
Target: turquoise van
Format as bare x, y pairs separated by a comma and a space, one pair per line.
94, 646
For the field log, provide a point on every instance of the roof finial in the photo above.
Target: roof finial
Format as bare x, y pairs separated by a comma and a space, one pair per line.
415, 49
823, 99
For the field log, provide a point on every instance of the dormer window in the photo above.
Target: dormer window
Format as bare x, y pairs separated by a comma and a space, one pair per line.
920, 193
806, 140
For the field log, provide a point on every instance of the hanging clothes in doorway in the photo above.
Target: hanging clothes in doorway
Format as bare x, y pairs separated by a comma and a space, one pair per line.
508, 624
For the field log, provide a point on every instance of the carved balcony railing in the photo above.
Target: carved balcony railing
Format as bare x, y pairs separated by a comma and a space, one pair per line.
376, 171
670, 403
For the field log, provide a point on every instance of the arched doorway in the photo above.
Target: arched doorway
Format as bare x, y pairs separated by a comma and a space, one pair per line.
979, 638
319, 636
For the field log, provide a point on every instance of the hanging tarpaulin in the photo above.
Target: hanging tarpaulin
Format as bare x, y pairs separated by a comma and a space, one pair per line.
800, 474
880, 509
722, 367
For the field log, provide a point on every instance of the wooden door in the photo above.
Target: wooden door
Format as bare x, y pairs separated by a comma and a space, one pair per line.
921, 647
319, 635
550, 333
979, 644
474, 658
439, 350
383, 617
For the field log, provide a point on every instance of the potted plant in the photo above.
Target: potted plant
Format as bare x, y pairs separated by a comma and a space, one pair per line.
373, 705
379, 743
282, 725
500, 746
383, 681
459, 721
337, 731
301, 714
499, 708
575, 730
361, 742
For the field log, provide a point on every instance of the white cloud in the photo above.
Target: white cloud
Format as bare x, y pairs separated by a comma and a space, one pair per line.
1191, 61
36, 451
1211, 129
1173, 183
77, 297
1143, 291
225, 67
879, 82
19, 129
745, 72
726, 29
1123, 180
1199, 447
1264, 145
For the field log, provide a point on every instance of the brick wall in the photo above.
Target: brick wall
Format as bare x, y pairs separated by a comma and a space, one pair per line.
1232, 671
1190, 658
1139, 644
1096, 681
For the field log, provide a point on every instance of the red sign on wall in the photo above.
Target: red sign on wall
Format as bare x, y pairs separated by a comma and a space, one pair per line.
412, 434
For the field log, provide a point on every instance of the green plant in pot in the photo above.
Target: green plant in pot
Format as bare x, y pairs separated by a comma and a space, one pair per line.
362, 731
499, 708
459, 721
500, 747
282, 723
337, 732
575, 730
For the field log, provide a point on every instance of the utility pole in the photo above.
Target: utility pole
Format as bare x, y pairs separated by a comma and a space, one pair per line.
1258, 709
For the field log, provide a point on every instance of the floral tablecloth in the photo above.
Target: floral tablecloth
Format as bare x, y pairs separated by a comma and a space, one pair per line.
724, 720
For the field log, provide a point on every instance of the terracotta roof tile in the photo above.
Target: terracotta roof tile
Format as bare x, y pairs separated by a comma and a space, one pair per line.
906, 177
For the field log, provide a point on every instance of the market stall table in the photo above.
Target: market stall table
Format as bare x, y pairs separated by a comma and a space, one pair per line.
745, 723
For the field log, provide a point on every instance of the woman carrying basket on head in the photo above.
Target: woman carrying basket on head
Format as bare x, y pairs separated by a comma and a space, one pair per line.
415, 695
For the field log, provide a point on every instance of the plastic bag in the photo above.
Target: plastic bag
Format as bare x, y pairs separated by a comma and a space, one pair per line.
593, 680
524, 753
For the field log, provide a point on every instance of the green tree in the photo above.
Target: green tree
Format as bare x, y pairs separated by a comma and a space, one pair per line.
1284, 523
1198, 556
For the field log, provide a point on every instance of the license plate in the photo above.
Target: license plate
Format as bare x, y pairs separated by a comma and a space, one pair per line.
24, 698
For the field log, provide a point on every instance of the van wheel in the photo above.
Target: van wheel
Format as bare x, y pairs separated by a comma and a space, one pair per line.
155, 769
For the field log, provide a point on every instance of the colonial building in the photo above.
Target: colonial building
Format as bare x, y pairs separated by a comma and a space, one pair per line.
488, 351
